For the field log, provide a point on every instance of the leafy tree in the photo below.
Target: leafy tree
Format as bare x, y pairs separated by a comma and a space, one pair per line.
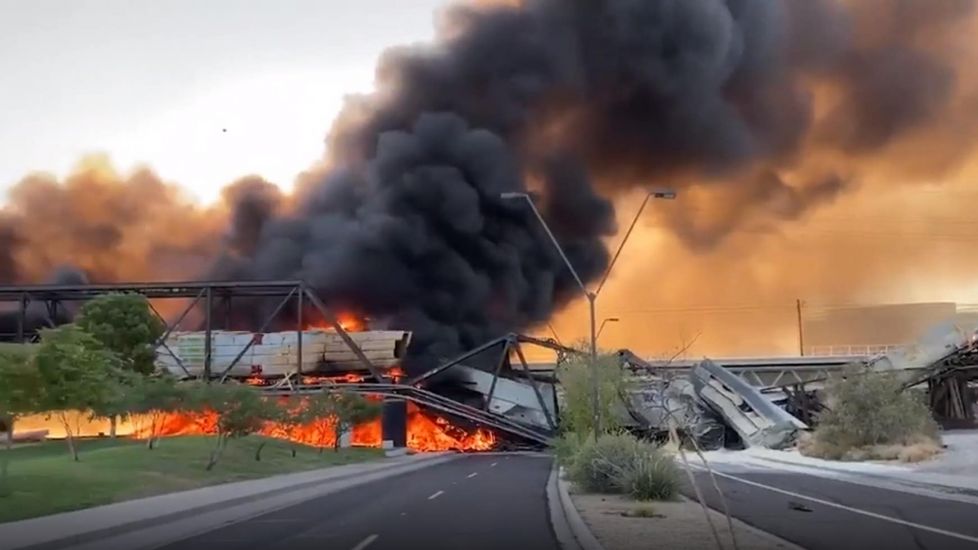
289, 418
318, 412
155, 398
125, 325
869, 416
18, 395
576, 379
240, 410
351, 409
76, 374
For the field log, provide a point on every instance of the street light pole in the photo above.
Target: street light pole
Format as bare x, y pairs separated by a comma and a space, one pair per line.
591, 296
604, 322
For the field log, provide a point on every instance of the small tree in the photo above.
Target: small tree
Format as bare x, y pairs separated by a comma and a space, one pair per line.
349, 410
318, 412
289, 418
18, 395
576, 379
155, 398
125, 325
240, 410
76, 374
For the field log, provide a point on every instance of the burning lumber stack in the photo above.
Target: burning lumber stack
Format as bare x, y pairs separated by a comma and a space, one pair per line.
277, 353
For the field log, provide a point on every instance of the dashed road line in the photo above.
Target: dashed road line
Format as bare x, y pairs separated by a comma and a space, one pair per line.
366, 542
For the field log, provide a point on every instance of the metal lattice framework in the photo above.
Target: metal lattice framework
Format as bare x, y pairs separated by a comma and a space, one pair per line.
761, 372
221, 295
205, 295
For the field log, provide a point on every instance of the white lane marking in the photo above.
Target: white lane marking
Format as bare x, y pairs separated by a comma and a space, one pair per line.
436, 495
366, 542
493, 464
937, 530
473, 474
403, 513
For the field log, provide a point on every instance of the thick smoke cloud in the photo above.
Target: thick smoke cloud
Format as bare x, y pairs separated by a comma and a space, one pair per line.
759, 110
420, 235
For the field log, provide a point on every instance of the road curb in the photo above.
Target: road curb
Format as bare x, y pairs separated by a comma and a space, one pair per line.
571, 531
160, 520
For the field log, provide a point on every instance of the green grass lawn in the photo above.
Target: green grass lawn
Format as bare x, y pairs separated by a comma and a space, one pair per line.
44, 480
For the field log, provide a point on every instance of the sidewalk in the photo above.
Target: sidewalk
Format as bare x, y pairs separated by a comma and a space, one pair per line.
623, 524
155, 520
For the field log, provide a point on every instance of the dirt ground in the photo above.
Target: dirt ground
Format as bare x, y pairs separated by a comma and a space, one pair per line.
679, 524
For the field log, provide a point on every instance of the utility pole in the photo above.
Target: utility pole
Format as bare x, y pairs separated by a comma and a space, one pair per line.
801, 329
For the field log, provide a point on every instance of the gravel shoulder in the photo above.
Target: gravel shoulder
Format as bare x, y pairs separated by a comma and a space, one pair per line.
678, 524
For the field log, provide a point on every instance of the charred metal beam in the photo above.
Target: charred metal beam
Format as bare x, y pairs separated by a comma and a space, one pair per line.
22, 317
548, 343
438, 402
536, 389
150, 290
503, 356
467, 355
162, 341
342, 332
244, 350
170, 327
300, 299
208, 310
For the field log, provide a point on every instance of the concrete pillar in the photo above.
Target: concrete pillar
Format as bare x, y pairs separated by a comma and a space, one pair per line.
393, 423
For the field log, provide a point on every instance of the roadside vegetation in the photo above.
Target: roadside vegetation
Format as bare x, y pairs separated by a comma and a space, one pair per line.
103, 366
871, 417
44, 482
616, 462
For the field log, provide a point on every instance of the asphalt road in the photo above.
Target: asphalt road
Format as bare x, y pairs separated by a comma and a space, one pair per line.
474, 502
821, 513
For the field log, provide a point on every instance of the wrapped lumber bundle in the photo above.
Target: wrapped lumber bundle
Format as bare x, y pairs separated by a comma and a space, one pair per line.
383, 348
277, 353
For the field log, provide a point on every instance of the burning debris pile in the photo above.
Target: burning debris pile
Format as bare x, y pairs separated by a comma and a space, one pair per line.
717, 407
425, 432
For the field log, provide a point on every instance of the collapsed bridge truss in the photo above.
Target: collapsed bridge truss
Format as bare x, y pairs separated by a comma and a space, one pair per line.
498, 393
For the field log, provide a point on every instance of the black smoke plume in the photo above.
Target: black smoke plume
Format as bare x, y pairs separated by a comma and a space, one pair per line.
576, 100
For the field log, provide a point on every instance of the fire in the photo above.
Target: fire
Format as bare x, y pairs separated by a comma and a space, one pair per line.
351, 378
438, 434
424, 433
350, 322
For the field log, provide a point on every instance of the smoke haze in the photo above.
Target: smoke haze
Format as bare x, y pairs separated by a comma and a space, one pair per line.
759, 112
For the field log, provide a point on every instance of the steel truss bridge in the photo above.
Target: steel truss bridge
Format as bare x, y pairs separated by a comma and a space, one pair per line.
762, 372
39, 306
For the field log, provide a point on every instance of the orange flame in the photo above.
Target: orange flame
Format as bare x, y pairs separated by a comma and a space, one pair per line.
351, 378
396, 373
424, 433
350, 322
